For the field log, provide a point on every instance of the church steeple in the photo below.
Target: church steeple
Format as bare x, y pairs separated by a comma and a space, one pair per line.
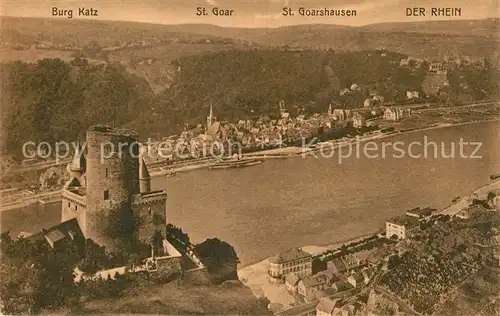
210, 117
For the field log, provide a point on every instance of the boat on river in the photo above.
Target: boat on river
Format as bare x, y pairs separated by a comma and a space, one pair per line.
240, 163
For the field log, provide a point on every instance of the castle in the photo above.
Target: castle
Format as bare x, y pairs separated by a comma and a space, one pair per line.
109, 191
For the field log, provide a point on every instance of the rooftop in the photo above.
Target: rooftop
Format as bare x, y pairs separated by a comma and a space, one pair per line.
327, 305
420, 212
405, 220
290, 255
315, 280
65, 230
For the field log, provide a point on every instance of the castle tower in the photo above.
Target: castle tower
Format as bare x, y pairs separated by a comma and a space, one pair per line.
112, 175
144, 177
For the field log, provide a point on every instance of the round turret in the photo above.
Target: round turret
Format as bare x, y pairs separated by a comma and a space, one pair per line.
144, 178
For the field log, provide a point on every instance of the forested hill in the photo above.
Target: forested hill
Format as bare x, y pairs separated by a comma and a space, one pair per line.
56, 101
245, 83
53, 100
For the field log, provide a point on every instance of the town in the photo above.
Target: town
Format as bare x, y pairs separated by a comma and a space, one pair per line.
422, 253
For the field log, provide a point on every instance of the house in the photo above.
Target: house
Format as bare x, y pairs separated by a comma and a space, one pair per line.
291, 282
412, 95
340, 286
310, 285
326, 306
344, 264
358, 121
301, 118
377, 255
357, 279
378, 99
346, 310
291, 261
401, 226
395, 114
344, 91
285, 115
61, 234
341, 114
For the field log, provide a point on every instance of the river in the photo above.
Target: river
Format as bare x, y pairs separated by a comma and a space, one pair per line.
280, 204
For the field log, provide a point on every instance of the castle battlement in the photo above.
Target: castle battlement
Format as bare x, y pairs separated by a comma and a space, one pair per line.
147, 198
73, 197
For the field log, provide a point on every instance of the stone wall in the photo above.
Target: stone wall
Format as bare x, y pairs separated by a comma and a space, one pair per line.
73, 206
198, 276
150, 212
167, 267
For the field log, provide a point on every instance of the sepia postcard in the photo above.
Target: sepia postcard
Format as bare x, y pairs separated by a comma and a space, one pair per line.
250, 157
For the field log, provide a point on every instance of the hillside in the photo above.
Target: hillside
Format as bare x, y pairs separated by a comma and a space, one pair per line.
149, 50
485, 27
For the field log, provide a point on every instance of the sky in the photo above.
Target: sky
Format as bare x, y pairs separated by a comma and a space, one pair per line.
250, 13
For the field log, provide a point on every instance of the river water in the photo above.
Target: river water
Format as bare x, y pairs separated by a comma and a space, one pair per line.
280, 204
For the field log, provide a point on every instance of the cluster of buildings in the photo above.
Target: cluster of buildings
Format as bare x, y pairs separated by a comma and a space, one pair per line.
261, 132
264, 132
295, 269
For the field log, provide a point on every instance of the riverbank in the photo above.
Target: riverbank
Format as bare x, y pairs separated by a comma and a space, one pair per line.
293, 151
255, 275
479, 193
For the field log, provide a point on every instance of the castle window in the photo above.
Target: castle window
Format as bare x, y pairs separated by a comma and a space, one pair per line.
76, 207
69, 204
149, 210
106, 194
106, 172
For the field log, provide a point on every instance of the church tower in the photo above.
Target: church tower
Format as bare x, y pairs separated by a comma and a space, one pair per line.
210, 117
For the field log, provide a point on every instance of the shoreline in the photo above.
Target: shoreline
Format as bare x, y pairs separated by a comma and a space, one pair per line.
254, 275
293, 151
451, 210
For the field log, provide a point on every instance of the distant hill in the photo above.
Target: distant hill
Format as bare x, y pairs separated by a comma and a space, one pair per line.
468, 37
150, 51
485, 27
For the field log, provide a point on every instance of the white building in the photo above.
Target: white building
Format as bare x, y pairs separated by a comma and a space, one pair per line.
412, 95
401, 226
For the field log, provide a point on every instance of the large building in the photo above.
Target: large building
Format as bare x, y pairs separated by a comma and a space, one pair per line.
401, 226
294, 261
109, 191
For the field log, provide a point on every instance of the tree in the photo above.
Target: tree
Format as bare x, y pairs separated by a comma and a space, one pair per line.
35, 276
393, 261
216, 254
